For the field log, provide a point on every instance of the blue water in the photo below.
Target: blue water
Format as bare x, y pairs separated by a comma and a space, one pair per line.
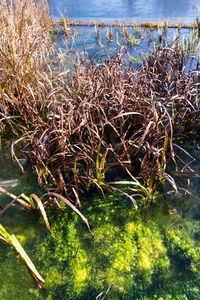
122, 11
185, 10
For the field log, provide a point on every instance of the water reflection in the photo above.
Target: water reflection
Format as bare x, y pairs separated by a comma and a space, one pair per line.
152, 9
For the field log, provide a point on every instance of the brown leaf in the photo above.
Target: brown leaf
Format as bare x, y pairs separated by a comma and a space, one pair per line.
169, 179
42, 210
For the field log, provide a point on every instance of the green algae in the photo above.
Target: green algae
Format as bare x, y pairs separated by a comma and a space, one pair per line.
137, 256
134, 255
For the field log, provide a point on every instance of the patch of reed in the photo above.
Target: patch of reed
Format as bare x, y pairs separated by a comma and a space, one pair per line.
25, 46
108, 116
77, 127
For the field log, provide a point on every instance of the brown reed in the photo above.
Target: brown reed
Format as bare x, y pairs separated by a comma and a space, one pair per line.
108, 116
78, 127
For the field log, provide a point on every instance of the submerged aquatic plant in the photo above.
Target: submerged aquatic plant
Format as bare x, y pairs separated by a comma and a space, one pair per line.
130, 254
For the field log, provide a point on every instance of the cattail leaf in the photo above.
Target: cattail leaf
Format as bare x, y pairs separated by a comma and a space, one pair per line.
126, 114
4, 233
169, 179
25, 257
16, 198
42, 210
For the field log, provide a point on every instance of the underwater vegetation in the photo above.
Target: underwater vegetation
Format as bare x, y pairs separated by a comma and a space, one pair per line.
132, 256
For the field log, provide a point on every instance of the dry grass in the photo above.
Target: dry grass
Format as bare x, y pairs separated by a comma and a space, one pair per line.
25, 46
107, 116
78, 127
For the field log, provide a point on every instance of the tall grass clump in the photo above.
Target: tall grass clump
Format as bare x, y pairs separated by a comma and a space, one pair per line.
108, 118
80, 127
25, 46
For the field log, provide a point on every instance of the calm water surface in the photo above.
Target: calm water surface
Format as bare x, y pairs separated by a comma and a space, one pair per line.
137, 9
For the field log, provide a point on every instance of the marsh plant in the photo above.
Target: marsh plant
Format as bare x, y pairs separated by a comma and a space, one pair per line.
108, 116
79, 127
25, 45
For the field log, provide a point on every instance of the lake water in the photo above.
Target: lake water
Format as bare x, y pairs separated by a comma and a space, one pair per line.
185, 10
84, 38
